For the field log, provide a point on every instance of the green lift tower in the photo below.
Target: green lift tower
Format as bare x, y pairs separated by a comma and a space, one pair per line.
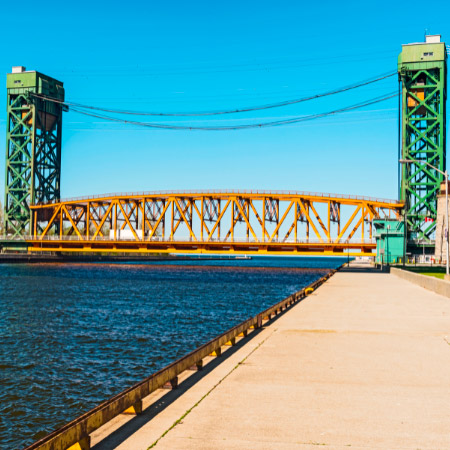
33, 146
422, 70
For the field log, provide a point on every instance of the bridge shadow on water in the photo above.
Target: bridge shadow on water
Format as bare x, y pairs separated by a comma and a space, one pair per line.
132, 426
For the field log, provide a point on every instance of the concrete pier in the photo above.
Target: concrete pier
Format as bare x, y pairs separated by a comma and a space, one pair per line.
362, 363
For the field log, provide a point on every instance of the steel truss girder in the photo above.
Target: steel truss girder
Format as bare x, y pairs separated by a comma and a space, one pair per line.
304, 224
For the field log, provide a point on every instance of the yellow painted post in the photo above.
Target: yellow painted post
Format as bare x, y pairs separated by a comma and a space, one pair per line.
263, 219
163, 220
307, 223
88, 220
219, 212
329, 221
171, 226
216, 352
136, 203
277, 206
247, 211
296, 221
362, 223
115, 221
111, 218
339, 220
143, 218
134, 409
202, 222
61, 212
192, 216
83, 444
232, 220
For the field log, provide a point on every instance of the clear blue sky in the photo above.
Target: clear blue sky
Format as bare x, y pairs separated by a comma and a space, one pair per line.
185, 56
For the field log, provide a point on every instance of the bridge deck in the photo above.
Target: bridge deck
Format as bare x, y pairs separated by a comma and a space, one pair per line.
361, 363
354, 248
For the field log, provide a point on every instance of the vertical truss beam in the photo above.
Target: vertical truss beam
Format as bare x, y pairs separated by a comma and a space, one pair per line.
33, 148
424, 86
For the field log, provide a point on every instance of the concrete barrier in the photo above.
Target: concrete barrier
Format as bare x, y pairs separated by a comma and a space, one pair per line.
431, 283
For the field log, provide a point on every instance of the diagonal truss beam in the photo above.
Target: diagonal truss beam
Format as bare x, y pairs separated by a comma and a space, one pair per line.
122, 213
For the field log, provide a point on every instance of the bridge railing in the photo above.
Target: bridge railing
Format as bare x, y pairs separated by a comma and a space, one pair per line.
267, 193
7, 237
191, 240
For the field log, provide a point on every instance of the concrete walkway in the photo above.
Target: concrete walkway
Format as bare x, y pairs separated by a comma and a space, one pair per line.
363, 363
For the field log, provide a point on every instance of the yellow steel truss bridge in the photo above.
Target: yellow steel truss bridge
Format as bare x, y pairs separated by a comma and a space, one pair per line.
215, 222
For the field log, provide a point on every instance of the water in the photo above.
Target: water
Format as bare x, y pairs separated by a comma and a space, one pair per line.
73, 335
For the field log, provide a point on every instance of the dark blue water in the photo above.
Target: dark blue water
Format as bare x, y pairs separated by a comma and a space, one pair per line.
73, 335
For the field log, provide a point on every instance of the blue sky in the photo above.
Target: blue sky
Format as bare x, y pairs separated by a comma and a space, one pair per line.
196, 56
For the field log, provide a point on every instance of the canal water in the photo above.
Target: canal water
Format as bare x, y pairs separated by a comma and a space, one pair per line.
73, 335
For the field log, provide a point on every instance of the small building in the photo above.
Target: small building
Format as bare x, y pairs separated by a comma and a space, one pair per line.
390, 238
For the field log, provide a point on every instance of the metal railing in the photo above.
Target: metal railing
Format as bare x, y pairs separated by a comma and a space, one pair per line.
226, 192
190, 240
80, 428
6, 237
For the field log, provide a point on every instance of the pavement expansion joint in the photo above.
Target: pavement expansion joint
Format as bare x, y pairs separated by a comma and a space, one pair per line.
180, 420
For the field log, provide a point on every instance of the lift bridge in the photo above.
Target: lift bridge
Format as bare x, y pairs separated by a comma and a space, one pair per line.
218, 222
257, 222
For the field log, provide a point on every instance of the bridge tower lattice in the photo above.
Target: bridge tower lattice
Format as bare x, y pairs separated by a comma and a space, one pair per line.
422, 69
33, 146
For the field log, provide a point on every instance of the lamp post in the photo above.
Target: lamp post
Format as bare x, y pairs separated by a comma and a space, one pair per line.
415, 161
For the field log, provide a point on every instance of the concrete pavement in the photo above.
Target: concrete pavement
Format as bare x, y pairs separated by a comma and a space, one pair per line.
362, 363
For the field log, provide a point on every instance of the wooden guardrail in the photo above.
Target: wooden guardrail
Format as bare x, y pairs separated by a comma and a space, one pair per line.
76, 433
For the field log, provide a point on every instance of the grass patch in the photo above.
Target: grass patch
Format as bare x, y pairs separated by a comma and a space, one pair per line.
437, 272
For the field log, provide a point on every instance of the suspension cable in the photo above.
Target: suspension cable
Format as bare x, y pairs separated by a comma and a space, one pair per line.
240, 127
229, 111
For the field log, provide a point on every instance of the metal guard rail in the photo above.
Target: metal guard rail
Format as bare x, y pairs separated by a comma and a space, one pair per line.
79, 429
323, 195
188, 239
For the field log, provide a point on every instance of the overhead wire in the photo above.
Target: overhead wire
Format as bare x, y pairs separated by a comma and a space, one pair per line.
284, 103
240, 127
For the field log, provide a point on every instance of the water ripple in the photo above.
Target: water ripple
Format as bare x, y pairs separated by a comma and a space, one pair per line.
73, 335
